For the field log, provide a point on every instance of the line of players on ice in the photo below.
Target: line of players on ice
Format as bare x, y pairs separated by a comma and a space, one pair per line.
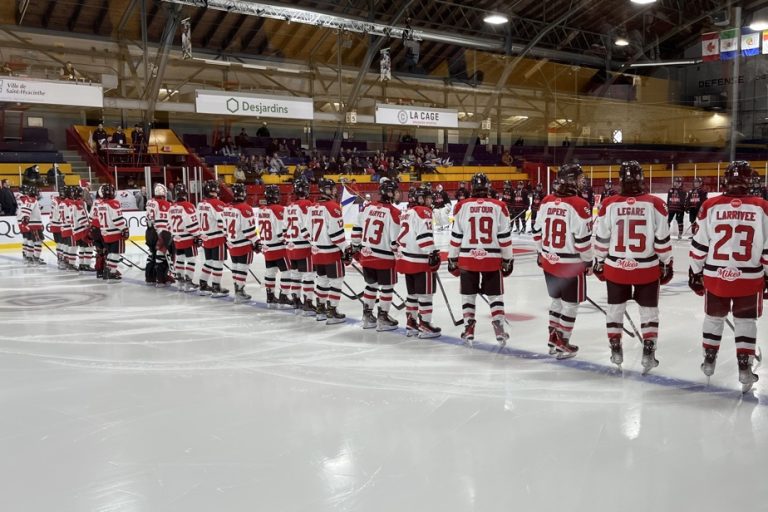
630, 250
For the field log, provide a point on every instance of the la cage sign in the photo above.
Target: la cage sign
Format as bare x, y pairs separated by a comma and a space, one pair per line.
417, 116
238, 104
22, 90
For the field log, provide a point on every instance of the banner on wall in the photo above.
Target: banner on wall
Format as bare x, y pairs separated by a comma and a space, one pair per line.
23, 90
240, 104
417, 116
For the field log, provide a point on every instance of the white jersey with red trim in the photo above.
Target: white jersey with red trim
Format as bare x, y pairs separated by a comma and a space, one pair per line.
95, 213
731, 245
64, 215
632, 237
416, 240
326, 231
79, 219
55, 214
21, 200
182, 219
111, 220
30, 210
376, 232
563, 235
297, 229
270, 224
481, 237
209, 212
240, 227
157, 214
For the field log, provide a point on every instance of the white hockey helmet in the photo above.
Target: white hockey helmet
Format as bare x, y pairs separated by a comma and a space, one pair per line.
159, 190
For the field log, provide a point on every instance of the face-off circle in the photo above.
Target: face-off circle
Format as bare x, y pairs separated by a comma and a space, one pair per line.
48, 301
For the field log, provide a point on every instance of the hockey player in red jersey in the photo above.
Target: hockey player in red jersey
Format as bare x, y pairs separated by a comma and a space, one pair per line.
633, 254
185, 230
298, 248
270, 223
114, 230
563, 237
240, 227
158, 238
481, 254
81, 230
729, 264
329, 244
31, 224
209, 212
373, 244
418, 259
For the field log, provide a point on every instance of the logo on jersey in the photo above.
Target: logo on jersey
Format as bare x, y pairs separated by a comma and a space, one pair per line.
627, 264
728, 273
291, 246
478, 253
631, 200
736, 203
366, 251
315, 250
551, 257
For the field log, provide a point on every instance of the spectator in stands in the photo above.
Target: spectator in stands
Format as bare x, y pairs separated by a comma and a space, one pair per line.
8, 203
32, 176
239, 175
68, 72
119, 137
6, 69
263, 131
419, 151
99, 137
506, 159
276, 165
87, 197
406, 138
242, 140
141, 198
138, 139
228, 148
282, 147
55, 177
131, 182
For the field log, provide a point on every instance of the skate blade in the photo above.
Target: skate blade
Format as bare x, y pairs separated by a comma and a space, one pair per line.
566, 355
746, 388
334, 321
758, 360
308, 313
321, 318
502, 343
386, 328
429, 335
369, 326
411, 333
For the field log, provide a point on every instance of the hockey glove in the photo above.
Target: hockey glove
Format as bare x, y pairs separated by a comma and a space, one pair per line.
257, 246
597, 269
667, 272
507, 266
434, 261
696, 282
25, 222
349, 254
198, 241
126, 234
453, 267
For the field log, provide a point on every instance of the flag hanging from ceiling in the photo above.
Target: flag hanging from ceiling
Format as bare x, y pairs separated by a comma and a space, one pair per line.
750, 42
765, 42
710, 46
186, 40
729, 44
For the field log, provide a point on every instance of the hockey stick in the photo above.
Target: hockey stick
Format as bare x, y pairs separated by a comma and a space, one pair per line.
597, 306
140, 247
396, 306
354, 296
485, 299
447, 303
632, 324
131, 264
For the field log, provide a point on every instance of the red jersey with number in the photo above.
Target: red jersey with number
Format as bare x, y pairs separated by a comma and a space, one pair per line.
95, 213
270, 223
209, 212
297, 236
632, 237
326, 230
481, 236
182, 219
415, 241
240, 227
563, 235
376, 233
731, 245
111, 220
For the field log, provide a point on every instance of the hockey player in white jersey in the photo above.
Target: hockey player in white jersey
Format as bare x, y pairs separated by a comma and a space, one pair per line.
209, 212
114, 231
563, 237
185, 230
158, 238
299, 250
729, 264
270, 222
633, 254
240, 226
31, 224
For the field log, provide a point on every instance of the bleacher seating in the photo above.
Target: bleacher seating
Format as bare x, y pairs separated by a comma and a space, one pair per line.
11, 172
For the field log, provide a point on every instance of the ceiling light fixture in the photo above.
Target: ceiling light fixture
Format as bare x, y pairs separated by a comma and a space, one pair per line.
759, 25
621, 41
643, 2
495, 19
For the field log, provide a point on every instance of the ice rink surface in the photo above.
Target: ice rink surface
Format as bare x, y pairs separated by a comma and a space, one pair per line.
122, 397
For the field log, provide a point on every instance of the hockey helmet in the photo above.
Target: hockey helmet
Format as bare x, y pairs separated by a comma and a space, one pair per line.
160, 191
570, 179
387, 191
238, 192
608, 184
424, 198
632, 178
180, 191
412, 196
77, 192
33, 191
108, 191
677, 182
211, 188
327, 188
272, 194
738, 175
301, 187
480, 184
520, 184
697, 182
539, 187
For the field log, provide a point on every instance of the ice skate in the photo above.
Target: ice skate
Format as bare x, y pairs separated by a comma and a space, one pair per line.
411, 325
385, 322
240, 295
61, 265
85, 268
563, 348
38, 261
649, 361
296, 303
369, 321
189, 286
501, 335
309, 308
204, 289
617, 352
217, 291
747, 377
468, 335
427, 330
552, 342
334, 317
113, 277
271, 300
283, 302
710, 359
320, 313
180, 283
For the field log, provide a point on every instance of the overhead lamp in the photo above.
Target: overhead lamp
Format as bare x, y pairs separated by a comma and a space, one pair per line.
621, 41
495, 19
643, 2
759, 25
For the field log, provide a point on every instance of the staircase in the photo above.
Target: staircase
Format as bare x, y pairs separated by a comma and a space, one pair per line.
79, 166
